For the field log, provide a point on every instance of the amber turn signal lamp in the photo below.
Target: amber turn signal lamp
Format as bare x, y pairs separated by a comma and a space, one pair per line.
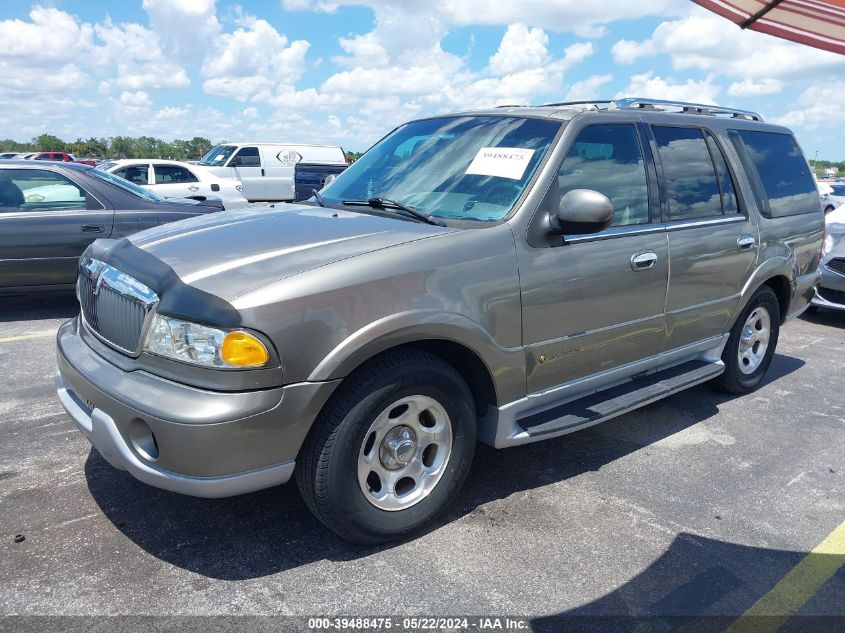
243, 350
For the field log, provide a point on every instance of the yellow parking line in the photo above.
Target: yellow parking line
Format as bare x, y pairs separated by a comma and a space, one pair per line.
795, 589
23, 337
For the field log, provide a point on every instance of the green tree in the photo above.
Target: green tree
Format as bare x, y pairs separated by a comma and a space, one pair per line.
121, 147
48, 143
199, 147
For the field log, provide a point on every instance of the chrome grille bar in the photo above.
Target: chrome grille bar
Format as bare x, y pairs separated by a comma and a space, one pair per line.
115, 306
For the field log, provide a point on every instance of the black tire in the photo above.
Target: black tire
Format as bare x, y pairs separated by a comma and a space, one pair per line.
734, 379
326, 469
828, 209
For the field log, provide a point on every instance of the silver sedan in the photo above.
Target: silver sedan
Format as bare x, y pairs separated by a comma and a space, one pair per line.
830, 293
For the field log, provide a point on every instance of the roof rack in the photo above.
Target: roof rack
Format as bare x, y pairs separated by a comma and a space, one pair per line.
657, 105
592, 102
686, 108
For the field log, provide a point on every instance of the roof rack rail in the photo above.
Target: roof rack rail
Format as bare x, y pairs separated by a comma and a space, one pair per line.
593, 102
686, 108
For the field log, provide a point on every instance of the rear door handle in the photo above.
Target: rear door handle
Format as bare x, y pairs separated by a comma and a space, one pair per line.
193, 188
643, 261
746, 243
93, 228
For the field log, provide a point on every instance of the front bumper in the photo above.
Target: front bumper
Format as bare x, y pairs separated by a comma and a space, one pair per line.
830, 292
181, 438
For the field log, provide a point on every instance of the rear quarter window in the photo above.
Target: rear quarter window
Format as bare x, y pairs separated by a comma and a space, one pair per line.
783, 183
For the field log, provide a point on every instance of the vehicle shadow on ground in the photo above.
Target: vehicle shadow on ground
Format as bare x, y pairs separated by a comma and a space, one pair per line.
822, 316
698, 580
39, 306
271, 530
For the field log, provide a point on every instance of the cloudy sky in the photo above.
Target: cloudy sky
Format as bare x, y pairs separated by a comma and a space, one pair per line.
346, 71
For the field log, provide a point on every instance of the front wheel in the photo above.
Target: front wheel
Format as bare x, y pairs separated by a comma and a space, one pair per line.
391, 448
751, 346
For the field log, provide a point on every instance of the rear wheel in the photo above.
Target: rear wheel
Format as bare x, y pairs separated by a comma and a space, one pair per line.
752, 343
391, 448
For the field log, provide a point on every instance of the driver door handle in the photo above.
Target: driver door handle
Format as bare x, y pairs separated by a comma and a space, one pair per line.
746, 243
193, 188
643, 261
93, 228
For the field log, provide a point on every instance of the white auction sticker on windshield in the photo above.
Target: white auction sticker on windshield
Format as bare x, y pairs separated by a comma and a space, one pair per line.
504, 162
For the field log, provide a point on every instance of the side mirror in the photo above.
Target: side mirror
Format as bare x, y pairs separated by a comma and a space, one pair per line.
583, 211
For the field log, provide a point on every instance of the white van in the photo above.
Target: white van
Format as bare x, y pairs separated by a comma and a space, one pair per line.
266, 170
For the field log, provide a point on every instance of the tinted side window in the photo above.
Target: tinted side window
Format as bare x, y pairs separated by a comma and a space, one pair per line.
134, 173
783, 172
37, 190
608, 159
247, 157
726, 183
167, 174
690, 178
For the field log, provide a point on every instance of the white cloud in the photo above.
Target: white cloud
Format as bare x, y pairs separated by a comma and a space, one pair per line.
751, 88
705, 41
588, 88
820, 105
184, 26
138, 99
585, 19
254, 59
646, 84
51, 36
520, 48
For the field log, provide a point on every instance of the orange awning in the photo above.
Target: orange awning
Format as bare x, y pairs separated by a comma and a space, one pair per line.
819, 23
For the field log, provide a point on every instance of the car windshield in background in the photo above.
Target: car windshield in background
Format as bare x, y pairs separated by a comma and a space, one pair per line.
107, 164
837, 190
459, 168
127, 186
218, 156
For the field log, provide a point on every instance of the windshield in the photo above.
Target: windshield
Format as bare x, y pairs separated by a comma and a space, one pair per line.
461, 168
218, 156
127, 186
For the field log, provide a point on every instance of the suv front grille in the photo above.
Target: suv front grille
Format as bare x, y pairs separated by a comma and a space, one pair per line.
114, 305
837, 265
834, 296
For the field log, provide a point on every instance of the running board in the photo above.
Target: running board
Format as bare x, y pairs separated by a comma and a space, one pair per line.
609, 403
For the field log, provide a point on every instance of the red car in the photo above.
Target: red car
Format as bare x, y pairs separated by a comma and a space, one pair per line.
63, 157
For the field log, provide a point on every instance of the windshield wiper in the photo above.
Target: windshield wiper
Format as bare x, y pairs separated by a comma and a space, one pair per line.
320, 199
388, 204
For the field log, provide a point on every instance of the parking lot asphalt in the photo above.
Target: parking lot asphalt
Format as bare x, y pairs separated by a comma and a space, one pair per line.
698, 504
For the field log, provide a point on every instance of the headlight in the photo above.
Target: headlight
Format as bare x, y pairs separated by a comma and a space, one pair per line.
827, 245
203, 345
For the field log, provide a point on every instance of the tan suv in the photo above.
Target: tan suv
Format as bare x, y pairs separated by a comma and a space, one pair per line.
501, 276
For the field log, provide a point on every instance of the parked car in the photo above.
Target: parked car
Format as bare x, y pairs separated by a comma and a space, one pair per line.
174, 179
24, 155
830, 293
832, 195
311, 177
267, 169
50, 213
60, 157
8, 155
500, 276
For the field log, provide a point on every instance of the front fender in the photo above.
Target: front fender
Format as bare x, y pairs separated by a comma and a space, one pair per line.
505, 365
